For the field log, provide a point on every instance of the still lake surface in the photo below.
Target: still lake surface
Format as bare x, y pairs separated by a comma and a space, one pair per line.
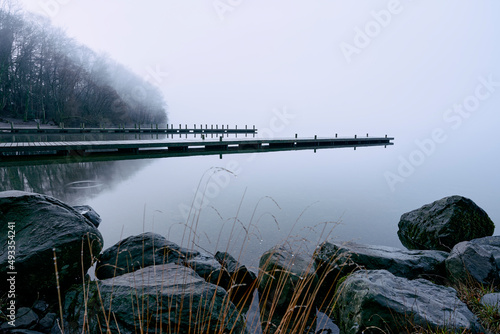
248, 203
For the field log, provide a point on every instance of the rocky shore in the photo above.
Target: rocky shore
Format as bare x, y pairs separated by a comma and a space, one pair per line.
148, 284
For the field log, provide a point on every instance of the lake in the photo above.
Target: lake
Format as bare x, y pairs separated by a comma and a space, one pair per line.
247, 203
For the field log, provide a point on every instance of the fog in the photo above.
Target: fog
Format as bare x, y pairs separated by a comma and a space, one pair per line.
380, 66
425, 72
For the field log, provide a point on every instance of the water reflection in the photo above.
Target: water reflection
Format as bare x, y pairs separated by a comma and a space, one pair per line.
71, 183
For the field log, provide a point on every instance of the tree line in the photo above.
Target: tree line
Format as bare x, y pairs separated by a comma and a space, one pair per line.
47, 76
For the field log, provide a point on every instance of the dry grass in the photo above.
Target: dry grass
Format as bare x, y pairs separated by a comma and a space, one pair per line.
299, 315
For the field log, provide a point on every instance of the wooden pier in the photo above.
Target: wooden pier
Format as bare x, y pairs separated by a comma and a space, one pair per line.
153, 129
15, 153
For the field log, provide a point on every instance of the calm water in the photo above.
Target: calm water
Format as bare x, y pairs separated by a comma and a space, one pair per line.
248, 203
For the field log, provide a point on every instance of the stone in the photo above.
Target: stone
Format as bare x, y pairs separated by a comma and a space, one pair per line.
491, 300
40, 226
410, 264
88, 212
210, 269
477, 260
40, 306
392, 304
140, 251
242, 280
443, 224
336, 260
287, 286
165, 298
26, 318
47, 322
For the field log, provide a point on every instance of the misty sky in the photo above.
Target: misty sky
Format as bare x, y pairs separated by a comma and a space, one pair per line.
392, 67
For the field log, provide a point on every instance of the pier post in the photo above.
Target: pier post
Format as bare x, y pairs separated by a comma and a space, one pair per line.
355, 136
296, 136
335, 135
315, 137
367, 135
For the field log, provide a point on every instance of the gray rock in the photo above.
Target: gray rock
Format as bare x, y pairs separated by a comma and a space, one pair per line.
158, 299
210, 269
40, 306
410, 264
47, 322
43, 224
378, 299
25, 319
140, 251
491, 300
478, 259
243, 281
89, 213
287, 287
444, 223
335, 260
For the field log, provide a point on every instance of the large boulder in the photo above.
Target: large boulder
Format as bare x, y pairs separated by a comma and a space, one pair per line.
378, 301
157, 299
336, 260
444, 223
287, 291
37, 227
139, 251
410, 264
477, 260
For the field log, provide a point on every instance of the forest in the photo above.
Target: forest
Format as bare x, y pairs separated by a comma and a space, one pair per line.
50, 78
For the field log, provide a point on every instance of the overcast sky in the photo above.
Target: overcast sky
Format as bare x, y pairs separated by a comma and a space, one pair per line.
324, 66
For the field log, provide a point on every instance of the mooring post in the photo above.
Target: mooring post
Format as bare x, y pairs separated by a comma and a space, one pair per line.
315, 137
220, 138
385, 136
202, 137
367, 135
355, 136
335, 135
295, 136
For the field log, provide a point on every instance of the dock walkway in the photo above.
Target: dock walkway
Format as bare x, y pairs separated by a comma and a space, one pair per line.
10, 153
